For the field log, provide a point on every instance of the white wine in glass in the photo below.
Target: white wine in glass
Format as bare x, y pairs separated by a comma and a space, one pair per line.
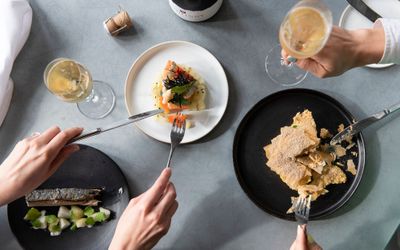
302, 34
70, 81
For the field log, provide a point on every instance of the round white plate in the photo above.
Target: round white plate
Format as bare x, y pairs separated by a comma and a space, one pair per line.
149, 65
351, 19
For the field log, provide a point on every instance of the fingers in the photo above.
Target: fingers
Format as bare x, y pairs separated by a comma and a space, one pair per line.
61, 157
167, 200
153, 195
284, 55
48, 135
171, 211
62, 138
312, 66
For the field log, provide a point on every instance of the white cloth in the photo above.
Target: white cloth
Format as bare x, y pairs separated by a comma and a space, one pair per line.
15, 24
392, 39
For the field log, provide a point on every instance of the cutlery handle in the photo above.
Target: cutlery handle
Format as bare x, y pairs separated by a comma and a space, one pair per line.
393, 108
85, 135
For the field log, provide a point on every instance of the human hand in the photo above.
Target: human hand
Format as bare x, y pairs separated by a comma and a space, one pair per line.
33, 160
304, 241
147, 217
345, 50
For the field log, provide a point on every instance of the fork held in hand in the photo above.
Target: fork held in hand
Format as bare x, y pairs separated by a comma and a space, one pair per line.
302, 209
177, 133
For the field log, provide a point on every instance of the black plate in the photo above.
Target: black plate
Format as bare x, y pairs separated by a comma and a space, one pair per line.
87, 168
262, 123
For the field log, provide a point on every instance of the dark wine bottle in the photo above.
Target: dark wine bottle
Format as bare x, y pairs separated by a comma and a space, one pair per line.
195, 10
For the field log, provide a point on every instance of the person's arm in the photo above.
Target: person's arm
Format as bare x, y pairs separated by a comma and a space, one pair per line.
345, 50
33, 160
392, 39
147, 217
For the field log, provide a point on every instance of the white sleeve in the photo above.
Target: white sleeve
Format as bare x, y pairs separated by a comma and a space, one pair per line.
392, 39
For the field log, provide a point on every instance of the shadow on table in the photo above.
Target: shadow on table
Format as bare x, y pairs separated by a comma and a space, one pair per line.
219, 219
230, 112
131, 33
373, 157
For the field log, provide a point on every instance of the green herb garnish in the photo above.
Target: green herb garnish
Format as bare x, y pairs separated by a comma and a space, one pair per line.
88, 211
51, 219
32, 214
90, 221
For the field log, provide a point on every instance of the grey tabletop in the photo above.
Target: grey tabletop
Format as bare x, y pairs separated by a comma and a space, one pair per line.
214, 212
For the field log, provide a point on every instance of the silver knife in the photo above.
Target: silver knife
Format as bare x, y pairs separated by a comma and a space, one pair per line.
357, 127
118, 124
366, 11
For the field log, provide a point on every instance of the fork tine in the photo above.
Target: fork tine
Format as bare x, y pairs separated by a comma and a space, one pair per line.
297, 207
184, 126
303, 205
174, 123
308, 206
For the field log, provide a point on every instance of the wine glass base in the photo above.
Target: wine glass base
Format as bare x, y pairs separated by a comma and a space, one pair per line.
279, 72
100, 103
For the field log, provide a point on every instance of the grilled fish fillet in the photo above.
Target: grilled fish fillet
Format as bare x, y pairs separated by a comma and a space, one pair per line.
63, 197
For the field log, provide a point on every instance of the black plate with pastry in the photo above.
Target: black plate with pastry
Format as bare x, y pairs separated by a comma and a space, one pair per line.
281, 151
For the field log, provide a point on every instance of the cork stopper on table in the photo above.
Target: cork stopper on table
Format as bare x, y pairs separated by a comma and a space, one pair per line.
118, 23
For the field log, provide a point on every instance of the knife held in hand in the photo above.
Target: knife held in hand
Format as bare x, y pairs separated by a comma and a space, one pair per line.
118, 124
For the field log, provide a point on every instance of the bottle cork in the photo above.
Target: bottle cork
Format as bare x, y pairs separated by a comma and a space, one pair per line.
118, 23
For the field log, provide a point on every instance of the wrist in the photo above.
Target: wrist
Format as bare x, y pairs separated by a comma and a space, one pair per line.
369, 46
3, 191
117, 244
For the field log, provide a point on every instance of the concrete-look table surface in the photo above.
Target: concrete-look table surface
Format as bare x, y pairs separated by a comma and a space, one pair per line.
214, 212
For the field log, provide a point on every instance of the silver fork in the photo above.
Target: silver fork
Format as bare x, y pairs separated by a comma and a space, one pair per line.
177, 133
302, 209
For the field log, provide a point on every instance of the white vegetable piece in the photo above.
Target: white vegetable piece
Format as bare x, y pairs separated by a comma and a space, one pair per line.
63, 212
76, 213
106, 212
56, 233
81, 223
43, 223
64, 223
42, 219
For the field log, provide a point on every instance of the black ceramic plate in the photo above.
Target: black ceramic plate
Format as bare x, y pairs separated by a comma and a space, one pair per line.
262, 123
87, 168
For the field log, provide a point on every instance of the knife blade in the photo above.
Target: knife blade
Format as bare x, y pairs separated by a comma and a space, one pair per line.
357, 127
352, 130
131, 119
363, 8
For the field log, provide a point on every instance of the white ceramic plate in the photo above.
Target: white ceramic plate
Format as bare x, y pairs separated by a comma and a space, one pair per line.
149, 65
351, 19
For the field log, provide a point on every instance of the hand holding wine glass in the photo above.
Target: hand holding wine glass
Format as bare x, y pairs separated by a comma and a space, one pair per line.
343, 51
303, 33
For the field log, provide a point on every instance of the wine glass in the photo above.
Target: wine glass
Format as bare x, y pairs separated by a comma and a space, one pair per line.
70, 81
303, 33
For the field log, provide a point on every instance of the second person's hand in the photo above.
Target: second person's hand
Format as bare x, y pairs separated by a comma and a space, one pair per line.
147, 217
345, 50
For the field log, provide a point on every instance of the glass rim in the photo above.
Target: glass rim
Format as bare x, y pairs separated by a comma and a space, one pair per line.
322, 9
54, 62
